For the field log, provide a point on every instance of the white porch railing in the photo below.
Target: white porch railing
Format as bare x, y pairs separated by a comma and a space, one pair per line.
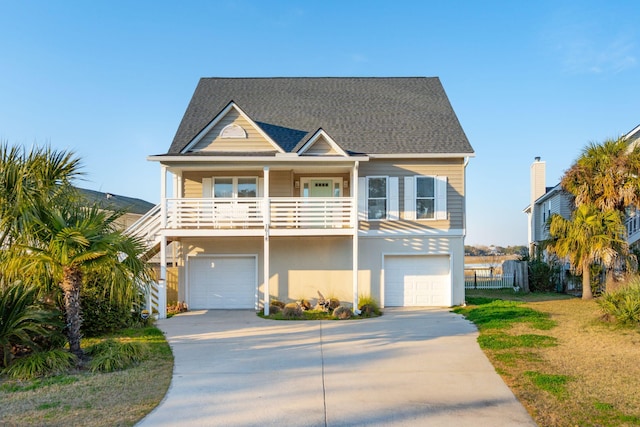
277, 212
147, 227
312, 212
214, 213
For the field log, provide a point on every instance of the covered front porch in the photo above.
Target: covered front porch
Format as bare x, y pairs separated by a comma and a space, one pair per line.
246, 197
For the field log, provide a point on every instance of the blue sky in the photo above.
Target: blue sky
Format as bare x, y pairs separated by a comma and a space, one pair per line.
110, 80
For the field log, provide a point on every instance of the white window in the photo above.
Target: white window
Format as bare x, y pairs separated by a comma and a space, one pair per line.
425, 197
235, 187
377, 197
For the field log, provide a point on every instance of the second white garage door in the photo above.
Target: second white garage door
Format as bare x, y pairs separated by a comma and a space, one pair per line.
222, 282
417, 280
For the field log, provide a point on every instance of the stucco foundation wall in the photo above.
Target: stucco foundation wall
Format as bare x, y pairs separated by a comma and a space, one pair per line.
302, 266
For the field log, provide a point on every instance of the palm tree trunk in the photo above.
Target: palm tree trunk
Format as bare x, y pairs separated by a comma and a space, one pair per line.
586, 282
71, 283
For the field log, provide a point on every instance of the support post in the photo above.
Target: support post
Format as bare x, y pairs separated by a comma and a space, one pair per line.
354, 222
162, 281
163, 195
267, 224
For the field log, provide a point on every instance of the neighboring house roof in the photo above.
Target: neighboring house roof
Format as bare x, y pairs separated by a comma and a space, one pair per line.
111, 201
394, 115
633, 136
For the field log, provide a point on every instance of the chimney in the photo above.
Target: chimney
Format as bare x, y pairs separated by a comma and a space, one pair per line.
538, 179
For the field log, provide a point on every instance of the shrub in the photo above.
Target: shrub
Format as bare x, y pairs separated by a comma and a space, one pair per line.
342, 313
112, 355
101, 315
277, 303
368, 306
305, 304
541, 276
274, 309
292, 311
624, 303
41, 364
23, 321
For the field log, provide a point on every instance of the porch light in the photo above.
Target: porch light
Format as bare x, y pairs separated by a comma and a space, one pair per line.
297, 184
345, 184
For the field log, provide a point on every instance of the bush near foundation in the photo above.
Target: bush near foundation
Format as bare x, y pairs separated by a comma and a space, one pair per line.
342, 313
292, 311
368, 306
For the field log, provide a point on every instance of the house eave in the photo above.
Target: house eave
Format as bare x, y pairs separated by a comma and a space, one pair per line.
420, 155
257, 159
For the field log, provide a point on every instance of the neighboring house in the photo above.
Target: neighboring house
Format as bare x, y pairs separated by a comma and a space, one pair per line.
276, 188
633, 214
546, 201
133, 209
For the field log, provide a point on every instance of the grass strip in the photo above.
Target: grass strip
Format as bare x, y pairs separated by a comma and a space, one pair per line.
552, 383
501, 341
499, 314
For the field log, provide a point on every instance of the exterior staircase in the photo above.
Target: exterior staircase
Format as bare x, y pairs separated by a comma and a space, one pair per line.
147, 228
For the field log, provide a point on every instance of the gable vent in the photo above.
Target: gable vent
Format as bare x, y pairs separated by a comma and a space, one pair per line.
233, 131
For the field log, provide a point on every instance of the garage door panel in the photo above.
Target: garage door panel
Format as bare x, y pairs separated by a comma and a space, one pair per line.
420, 280
222, 282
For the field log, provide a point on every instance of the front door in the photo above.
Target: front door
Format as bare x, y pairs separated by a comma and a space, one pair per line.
320, 188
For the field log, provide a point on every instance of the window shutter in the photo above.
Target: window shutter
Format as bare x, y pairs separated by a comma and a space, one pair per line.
441, 197
207, 185
409, 198
362, 199
394, 207
260, 187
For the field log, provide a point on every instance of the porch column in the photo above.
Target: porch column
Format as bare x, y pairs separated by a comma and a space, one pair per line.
354, 222
162, 280
267, 224
163, 195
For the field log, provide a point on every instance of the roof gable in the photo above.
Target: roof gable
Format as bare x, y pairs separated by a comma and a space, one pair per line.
366, 115
232, 131
321, 144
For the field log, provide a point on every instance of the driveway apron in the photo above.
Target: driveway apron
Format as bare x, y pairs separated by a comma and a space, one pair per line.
409, 367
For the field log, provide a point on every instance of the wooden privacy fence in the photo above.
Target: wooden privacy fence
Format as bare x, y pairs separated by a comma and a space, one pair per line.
487, 279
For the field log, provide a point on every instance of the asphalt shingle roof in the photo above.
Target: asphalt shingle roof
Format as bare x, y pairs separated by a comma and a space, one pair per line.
363, 115
114, 202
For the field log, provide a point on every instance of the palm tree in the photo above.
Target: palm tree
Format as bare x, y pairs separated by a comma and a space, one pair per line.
606, 176
30, 179
68, 240
590, 236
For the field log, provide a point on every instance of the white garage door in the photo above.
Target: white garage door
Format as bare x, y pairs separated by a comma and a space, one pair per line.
417, 280
222, 282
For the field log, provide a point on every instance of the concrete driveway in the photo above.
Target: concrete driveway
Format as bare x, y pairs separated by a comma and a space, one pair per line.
410, 367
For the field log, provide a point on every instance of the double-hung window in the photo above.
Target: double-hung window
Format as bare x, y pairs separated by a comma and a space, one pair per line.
377, 192
425, 197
